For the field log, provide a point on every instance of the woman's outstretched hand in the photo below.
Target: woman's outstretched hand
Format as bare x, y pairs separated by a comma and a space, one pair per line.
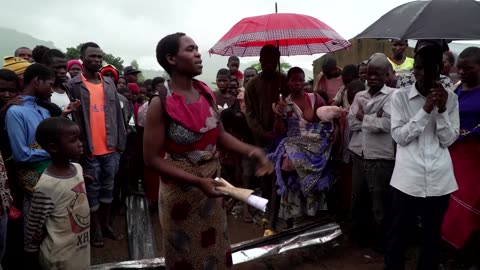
208, 187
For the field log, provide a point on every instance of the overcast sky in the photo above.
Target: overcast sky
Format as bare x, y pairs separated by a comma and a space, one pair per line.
131, 29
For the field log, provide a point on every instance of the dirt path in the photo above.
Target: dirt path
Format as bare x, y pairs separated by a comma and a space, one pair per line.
338, 255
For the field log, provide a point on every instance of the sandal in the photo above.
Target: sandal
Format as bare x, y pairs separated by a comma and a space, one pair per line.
267, 233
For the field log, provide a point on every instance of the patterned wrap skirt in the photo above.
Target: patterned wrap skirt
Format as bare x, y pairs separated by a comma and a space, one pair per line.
195, 232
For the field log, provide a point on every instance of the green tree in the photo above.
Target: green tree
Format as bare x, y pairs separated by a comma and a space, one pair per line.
117, 62
134, 64
284, 67
74, 53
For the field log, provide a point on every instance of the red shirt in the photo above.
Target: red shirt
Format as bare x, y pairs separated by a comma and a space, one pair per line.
239, 75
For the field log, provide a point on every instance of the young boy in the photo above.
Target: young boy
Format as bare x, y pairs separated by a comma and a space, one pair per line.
223, 95
233, 88
372, 153
349, 74
234, 65
59, 227
352, 89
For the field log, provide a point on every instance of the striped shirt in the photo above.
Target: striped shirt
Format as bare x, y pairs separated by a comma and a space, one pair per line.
59, 223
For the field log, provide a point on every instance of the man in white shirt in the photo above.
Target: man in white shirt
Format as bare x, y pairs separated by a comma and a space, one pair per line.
56, 61
372, 153
425, 122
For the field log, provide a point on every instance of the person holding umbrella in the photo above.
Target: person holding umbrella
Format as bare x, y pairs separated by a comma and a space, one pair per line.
425, 122
261, 92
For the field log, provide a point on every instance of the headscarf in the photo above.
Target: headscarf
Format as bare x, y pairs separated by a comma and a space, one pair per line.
133, 88
109, 68
72, 63
15, 64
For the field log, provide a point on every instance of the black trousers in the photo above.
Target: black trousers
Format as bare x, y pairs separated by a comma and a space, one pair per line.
403, 212
370, 188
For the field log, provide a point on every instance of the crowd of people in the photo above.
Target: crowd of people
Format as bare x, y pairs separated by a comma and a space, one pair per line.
391, 143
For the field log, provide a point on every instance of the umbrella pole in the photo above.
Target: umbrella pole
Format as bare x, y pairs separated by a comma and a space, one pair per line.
279, 67
278, 45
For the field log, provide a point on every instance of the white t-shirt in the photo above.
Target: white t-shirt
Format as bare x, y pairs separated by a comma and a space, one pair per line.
61, 100
59, 224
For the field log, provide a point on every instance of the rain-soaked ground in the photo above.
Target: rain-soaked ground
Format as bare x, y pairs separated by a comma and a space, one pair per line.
338, 255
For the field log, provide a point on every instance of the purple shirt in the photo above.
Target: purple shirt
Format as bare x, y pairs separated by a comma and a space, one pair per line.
469, 109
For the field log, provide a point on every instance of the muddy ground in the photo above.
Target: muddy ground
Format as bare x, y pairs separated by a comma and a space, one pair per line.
340, 254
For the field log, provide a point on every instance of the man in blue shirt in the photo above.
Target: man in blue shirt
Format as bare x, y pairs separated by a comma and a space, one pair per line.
21, 123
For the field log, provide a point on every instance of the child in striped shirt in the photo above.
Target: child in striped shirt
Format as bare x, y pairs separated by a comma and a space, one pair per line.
58, 230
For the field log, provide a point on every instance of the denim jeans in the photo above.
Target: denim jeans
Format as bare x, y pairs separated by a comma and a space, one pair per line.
3, 235
103, 170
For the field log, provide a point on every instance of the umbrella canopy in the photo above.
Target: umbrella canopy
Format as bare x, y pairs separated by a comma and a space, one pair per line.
294, 34
436, 19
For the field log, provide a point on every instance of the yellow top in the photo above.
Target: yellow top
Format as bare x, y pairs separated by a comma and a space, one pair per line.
403, 68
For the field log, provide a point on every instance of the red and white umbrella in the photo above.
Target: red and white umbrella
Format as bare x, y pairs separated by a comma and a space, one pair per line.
294, 34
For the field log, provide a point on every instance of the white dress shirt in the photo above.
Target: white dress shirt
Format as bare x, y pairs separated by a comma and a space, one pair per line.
371, 138
423, 166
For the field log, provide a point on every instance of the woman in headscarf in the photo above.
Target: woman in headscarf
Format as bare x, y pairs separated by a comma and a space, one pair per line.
184, 122
110, 72
74, 67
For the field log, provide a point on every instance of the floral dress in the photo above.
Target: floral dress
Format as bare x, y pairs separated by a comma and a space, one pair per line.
194, 227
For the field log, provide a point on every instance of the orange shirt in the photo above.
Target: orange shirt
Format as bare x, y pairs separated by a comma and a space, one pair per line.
97, 118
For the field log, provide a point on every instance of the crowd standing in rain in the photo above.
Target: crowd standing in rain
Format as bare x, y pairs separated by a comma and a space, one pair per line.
393, 141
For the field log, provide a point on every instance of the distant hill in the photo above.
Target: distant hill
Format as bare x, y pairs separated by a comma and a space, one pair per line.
151, 73
12, 39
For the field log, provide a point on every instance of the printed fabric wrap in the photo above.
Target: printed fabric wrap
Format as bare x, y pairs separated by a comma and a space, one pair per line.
29, 173
308, 147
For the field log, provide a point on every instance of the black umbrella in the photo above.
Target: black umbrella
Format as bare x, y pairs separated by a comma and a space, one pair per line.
435, 19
